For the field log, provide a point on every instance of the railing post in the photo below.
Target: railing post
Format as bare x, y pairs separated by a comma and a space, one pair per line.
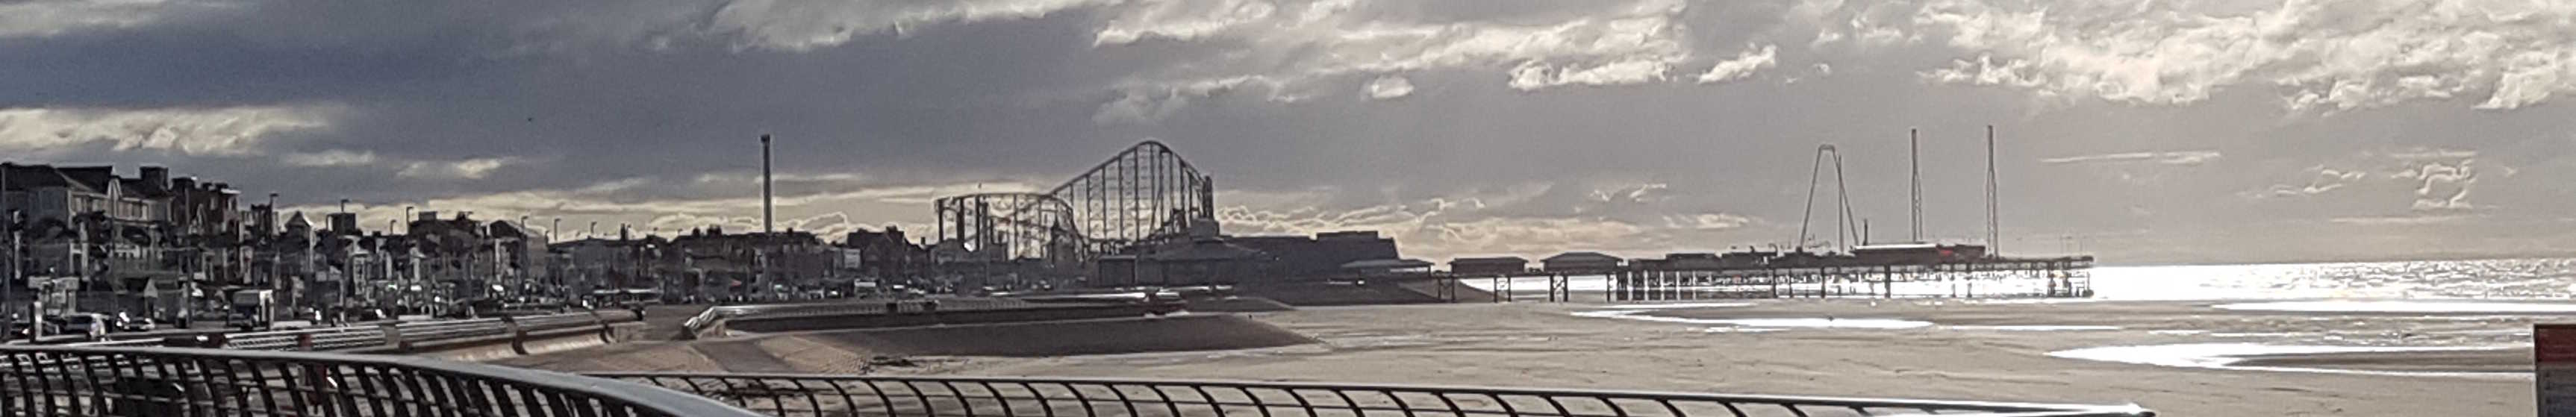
518, 335
607, 334
393, 336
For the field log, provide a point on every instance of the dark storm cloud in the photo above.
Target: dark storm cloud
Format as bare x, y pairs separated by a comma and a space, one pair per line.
1520, 126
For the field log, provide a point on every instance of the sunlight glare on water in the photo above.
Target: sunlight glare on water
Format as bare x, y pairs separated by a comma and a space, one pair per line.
2553, 278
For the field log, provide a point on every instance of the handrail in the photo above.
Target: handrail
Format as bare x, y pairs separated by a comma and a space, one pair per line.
698, 325
981, 396
354, 337
68, 380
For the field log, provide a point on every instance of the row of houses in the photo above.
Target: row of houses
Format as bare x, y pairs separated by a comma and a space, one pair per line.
91, 239
87, 239
710, 262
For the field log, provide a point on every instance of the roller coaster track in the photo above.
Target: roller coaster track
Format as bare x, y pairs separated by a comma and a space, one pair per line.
1144, 195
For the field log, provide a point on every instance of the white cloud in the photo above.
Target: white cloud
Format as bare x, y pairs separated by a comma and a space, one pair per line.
1150, 103
614, 202
468, 169
1639, 193
1539, 76
2406, 220
829, 225
329, 158
2442, 186
1389, 87
2320, 181
2433, 153
52, 17
804, 25
754, 177
188, 131
2329, 55
1707, 221
1745, 64
1625, 43
1534, 219
1181, 19
2166, 158
2431, 179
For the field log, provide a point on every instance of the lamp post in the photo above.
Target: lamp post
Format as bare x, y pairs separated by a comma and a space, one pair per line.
275, 273
388, 260
17, 233
521, 272
554, 268
348, 266
8, 224
381, 260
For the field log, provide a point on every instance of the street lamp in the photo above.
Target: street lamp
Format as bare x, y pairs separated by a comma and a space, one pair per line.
520, 273
16, 223
348, 263
276, 268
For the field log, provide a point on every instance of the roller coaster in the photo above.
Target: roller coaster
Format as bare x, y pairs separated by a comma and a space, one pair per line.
1143, 196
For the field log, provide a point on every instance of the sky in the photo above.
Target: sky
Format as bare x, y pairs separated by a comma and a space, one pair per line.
2155, 131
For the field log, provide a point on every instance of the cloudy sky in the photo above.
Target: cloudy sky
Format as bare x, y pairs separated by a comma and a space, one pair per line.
2142, 131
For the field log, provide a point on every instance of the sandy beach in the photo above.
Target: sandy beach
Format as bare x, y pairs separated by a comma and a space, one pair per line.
2180, 358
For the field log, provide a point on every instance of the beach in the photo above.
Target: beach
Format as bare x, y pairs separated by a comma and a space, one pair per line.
2178, 357
1549, 345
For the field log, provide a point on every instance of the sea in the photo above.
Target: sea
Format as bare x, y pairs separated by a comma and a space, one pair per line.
2499, 279
2409, 306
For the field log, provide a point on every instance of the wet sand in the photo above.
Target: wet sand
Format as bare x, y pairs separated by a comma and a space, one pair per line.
2512, 360
1960, 354
853, 351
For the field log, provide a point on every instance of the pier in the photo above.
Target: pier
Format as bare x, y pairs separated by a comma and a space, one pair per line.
2056, 277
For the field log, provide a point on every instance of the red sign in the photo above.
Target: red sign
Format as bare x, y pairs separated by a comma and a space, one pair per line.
2553, 343
2553, 360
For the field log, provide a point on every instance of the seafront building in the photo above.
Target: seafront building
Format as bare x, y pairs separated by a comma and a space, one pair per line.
1498, 265
85, 239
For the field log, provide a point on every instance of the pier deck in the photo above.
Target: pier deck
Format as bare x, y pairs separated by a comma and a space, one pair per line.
2060, 277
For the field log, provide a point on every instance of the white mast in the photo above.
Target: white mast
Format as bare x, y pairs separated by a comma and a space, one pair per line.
1993, 243
1915, 154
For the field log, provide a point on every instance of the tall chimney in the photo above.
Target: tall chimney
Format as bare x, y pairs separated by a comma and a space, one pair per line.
768, 210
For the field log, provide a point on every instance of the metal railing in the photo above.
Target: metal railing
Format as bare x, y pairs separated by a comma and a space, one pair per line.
874, 307
849, 395
699, 324
167, 382
395, 334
